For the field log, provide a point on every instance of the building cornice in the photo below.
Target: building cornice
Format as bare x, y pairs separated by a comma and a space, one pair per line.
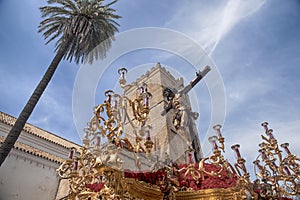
38, 132
36, 152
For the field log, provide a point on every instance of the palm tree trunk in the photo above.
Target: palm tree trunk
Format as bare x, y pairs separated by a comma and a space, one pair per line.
17, 128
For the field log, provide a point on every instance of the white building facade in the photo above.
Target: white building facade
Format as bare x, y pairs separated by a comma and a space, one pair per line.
29, 172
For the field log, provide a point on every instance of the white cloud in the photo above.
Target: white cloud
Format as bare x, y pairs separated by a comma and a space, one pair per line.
241, 90
53, 112
208, 23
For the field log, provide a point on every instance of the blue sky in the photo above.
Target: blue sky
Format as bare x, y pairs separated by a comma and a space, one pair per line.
254, 44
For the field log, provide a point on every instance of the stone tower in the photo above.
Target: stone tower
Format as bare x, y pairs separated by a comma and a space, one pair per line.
169, 143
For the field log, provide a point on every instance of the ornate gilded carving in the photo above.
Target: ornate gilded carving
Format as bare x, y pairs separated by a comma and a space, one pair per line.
97, 172
280, 176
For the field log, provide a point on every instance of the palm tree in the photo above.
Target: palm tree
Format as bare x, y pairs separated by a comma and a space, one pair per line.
83, 30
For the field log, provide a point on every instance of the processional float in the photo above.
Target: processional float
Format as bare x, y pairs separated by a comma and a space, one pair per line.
96, 170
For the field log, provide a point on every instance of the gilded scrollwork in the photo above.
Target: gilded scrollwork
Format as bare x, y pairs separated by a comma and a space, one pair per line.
279, 175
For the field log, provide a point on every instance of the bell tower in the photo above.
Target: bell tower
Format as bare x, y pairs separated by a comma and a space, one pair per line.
173, 129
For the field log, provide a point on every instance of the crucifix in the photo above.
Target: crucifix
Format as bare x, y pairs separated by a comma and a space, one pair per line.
173, 97
175, 100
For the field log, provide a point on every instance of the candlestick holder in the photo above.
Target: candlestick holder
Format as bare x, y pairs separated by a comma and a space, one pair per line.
279, 175
221, 139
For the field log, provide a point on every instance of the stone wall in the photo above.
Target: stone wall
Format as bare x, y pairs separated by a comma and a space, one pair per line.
163, 133
25, 177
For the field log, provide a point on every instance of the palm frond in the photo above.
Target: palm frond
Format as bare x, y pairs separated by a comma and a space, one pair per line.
88, 23
66, 3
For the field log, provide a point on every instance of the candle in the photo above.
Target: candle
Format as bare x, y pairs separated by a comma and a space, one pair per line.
236, 149
213, 140
256, 162
146, 100
141, 89
109, 94
265, 125
263, 154
75, 165
108, 98
262, 145
285, 146
269, 133
287, 170
122, 72
218, 129
71, 154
